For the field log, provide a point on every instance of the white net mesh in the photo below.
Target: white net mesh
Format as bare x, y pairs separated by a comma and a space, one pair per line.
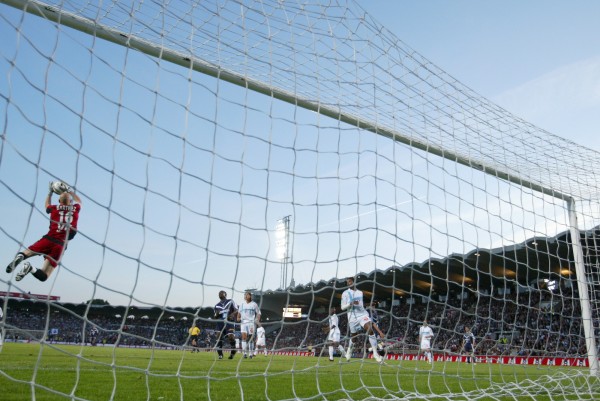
190, 129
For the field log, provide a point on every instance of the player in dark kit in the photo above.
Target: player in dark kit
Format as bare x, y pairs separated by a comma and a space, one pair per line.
372, 311
469, 345
63, 227
226, 311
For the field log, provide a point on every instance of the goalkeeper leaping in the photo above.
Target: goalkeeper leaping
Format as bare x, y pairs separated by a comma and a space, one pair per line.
358, 317
63, 227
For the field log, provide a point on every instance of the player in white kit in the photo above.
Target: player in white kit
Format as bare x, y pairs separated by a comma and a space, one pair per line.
261, 340
358, 318
333, 338
248, 315
425, 336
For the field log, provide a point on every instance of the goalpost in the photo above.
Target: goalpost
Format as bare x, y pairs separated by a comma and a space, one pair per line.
190, 129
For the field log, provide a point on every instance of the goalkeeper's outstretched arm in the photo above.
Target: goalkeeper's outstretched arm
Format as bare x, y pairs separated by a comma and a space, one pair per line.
75, 197
48, 200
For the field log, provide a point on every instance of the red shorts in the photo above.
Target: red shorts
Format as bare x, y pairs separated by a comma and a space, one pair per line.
51, 250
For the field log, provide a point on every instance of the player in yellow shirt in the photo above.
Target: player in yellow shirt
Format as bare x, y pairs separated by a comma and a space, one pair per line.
194, 333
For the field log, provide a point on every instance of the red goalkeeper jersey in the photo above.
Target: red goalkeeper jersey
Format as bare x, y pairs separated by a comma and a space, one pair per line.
63, 221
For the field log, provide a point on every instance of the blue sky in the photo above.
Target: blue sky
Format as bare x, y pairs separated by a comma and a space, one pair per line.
183, 178
538, 59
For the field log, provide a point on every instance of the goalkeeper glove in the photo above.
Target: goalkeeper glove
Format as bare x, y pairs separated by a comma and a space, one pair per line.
50, 190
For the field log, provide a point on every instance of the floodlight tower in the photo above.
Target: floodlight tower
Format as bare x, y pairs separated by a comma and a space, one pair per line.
282, 236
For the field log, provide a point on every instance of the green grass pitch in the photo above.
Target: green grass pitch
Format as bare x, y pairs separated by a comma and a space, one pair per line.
49, 372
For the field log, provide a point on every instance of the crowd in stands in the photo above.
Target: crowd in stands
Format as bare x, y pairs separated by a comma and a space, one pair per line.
534, 323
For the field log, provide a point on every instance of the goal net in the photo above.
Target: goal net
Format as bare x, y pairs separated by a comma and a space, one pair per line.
279, 147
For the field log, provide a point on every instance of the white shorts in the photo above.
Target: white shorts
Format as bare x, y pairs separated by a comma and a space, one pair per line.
356, 323
425, 344
247, 327
260, 342
334, 335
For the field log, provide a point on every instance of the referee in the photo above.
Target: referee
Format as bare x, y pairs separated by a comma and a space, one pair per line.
194, 333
